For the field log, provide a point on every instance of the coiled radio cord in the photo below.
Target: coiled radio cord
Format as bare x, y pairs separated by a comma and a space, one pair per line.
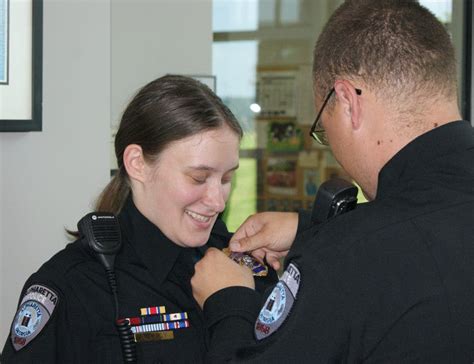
127, 341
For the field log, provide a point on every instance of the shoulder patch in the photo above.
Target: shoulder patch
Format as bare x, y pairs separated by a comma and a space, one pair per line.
34, 312
279, 303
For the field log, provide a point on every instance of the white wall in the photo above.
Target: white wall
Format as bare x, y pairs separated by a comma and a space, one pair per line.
49, 178
153, 37
96, 54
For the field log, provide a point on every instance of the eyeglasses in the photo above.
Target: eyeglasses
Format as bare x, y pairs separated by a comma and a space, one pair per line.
317, 130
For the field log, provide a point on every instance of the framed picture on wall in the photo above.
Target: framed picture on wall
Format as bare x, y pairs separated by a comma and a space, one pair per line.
21, 65
4, 41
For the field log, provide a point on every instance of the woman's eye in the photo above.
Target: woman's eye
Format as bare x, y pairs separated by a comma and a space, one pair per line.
198, 180
227, 179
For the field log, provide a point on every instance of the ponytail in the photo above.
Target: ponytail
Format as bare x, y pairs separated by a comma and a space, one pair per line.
111, 199
114, 195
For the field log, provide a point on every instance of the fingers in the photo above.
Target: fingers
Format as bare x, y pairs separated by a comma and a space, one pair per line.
273, 261
251, 226
272, 230
201, 286
246, 228
259, 254
215, 271
268, 257
246, 244
252, 234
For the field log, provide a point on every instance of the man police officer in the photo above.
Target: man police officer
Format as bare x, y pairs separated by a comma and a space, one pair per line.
393, 280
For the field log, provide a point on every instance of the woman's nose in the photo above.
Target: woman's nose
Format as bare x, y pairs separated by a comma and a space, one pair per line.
215, 198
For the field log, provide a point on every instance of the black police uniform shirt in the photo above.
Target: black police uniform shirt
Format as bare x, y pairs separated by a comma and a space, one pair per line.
389, 282
151, 271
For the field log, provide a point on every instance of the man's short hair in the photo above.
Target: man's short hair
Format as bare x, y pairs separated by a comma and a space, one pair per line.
396, 47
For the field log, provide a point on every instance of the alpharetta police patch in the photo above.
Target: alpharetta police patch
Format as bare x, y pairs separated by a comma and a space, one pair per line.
34, 311
279, 303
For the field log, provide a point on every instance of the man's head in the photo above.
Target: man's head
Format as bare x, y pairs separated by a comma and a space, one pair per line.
396, 47
391, 62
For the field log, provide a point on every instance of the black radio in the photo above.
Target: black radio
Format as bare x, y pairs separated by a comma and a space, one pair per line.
334, 197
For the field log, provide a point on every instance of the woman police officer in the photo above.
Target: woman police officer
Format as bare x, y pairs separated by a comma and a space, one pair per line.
177, 149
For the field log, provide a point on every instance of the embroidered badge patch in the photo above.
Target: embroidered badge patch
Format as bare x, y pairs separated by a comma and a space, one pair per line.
34, 311
278, 305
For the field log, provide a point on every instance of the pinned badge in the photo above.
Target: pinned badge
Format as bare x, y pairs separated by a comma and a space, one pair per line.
279, 303
258, 269
34, 312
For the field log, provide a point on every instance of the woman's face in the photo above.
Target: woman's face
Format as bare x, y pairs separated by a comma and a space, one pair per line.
189, 184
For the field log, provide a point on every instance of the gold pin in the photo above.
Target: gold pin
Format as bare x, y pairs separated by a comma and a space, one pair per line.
153, 336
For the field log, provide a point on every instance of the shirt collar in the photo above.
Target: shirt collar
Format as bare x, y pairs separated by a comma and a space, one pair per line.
152, 247
417, 155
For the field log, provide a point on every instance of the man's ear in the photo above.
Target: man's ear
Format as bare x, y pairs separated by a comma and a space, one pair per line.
134, 162
348, 98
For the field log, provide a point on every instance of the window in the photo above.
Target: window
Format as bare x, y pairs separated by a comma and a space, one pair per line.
262, 57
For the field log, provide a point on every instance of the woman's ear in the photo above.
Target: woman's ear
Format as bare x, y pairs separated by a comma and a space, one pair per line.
134, 162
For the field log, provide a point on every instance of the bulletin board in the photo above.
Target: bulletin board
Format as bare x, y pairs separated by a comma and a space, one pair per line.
293, 165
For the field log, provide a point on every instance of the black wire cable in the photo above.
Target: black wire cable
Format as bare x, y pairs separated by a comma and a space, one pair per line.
127, 341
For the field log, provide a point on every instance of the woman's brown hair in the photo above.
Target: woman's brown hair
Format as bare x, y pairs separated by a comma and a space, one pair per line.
165, 110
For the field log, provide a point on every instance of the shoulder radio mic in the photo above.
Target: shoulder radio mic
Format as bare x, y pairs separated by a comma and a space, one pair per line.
334, 197
101, 234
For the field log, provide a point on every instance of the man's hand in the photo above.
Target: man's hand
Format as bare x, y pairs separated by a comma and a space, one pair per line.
216, 271
267, 235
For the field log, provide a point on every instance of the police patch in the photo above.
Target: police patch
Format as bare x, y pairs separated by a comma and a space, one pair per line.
279, 303
34, 311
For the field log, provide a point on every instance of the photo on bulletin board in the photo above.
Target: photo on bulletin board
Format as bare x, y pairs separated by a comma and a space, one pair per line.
276, 93
284, 136
311, 182
281, 176
21, 45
